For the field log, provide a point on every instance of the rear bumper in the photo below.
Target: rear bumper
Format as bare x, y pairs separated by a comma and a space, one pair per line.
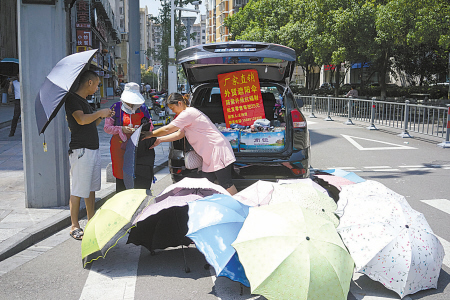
249, 170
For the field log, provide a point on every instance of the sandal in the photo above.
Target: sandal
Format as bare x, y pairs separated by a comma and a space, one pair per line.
77, 233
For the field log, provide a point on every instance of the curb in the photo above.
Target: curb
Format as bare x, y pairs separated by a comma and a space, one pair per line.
27, 238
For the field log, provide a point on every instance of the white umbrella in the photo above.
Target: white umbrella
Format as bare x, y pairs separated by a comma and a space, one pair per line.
389, 241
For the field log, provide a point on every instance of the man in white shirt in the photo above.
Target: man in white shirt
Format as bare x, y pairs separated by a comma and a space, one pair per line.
14, 87
147, 89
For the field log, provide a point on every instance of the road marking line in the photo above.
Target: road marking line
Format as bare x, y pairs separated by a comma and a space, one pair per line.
377, 167
417, 166
115, 275
387, 170
342, 168
420, 169
441, 204
351, 139
446, 246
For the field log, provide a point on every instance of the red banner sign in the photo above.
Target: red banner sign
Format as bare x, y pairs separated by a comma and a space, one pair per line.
241, 97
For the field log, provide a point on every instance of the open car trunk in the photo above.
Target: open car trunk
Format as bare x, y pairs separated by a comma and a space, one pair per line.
203, 63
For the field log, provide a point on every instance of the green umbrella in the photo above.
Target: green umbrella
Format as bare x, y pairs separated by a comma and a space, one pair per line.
111, 222
288, 252
307, 196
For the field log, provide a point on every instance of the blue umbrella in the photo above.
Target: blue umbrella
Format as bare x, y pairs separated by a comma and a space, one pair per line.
129, 159
9, 66
344, 174
57, 85
214, 223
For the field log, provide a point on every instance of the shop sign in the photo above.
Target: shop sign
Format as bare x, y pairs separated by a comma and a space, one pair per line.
84, 37
83, 14
329, 67
241, 97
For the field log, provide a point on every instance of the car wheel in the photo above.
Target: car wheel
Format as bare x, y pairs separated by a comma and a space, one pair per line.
98, 105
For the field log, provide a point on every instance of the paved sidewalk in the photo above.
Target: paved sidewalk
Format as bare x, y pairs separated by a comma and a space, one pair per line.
22, 227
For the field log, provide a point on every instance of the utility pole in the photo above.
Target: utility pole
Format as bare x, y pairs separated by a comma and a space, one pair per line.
134, 37
172, 69
47, 180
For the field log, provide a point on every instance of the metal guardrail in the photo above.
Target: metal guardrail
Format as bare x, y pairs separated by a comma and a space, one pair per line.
423, 119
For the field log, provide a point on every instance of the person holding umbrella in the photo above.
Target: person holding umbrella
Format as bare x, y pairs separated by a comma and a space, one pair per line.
130, 113
204, 137
84, 153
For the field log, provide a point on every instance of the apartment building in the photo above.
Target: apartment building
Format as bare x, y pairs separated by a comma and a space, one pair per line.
216, 13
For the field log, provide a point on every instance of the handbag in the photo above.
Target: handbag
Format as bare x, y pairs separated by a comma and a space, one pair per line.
192, 160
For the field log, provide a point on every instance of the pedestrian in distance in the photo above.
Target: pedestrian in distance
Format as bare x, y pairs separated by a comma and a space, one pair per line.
204, 137
353, 93
14, 89
129, 114
147, 90
84, 153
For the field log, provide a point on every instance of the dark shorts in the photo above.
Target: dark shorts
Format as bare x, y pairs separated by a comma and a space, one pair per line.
223, 176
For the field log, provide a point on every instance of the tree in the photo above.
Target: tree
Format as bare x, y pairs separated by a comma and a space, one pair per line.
351, 31
163, 20
148, 76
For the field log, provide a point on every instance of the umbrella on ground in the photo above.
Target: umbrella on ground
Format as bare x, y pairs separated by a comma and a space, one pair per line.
257, 194
110, 223
214, 223
309, 181
289, 252
57, 85
9, 67
389, 241
164, 222
344, 174
308, 197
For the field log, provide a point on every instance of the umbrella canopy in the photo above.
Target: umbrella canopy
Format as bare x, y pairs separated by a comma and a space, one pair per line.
308, 197
57, 85
164, 222
9, 67
110, 223
257, 194
309, 181
214, 223
289, 252
344, 174
389, 241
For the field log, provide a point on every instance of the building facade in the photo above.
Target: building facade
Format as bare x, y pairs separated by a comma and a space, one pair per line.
95, 26
216, 13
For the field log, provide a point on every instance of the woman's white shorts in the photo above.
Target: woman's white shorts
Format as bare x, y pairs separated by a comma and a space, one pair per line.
86, 171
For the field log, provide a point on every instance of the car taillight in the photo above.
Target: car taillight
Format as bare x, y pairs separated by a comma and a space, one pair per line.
297, 119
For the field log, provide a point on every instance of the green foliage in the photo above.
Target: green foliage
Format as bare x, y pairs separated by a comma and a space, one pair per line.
163, 20
335, 31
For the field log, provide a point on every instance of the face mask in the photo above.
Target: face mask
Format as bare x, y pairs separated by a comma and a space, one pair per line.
130, 109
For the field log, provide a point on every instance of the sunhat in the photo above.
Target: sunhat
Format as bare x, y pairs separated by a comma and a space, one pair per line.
131, 94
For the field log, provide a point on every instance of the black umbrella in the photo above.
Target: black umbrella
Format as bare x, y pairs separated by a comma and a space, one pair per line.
57, 85
9, 67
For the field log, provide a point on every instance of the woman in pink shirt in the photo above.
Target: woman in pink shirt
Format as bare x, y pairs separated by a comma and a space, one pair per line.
204, 137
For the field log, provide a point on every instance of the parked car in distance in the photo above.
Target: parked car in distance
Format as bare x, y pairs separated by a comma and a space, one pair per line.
288, 155
94, 100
